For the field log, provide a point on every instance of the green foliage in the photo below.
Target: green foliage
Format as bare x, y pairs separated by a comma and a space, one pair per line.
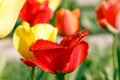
15, 70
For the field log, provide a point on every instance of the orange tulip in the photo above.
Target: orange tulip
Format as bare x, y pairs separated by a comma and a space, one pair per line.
68, 22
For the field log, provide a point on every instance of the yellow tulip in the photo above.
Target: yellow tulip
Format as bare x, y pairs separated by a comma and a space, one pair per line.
53, 4
25, 36
9, 11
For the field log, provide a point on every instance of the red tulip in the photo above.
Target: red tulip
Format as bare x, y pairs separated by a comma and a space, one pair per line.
109, 12
68, 22
63, 57
35, 12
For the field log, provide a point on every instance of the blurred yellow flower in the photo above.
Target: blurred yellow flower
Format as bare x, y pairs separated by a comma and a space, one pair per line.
9, 11
53, 4
25, 35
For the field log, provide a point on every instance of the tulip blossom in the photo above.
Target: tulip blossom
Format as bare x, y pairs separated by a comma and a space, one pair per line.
35, 12
108, 15
25, 36
68, 22
63, 57
9, 11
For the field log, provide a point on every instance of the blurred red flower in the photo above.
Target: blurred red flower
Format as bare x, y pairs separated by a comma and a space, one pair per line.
68, 22
63, 57
35, 12
109, 12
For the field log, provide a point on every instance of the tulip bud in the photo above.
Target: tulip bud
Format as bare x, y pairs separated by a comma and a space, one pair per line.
68, 22
9, 11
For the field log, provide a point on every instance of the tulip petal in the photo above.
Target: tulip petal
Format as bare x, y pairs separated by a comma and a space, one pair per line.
23, 38
34, 12
53, 4
108, 12
72, 28
76, 12
100, 16
45, 31
50, 54
29, 62
9, 11
57, 59
73, 40
78, 55
67, 22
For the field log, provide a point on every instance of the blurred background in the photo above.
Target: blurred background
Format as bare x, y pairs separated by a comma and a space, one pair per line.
97, 66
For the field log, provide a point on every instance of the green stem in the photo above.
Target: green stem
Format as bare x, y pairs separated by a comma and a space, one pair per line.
115, 59
62, 76
32, 73
65, 76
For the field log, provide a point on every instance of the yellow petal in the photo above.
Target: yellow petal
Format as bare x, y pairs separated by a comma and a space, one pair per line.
9, 11
45, 31
54, 4
52, 36
40, 1
25, 36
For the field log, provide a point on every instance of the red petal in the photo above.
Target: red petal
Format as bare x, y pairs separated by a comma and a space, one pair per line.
59, 59
43, 45
75, 39
53, 60
78, 55
42, 16
108, 12
54, 57
28, 62
33, 62
34, 12
100, 16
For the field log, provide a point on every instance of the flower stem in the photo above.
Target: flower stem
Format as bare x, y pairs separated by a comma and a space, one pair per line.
65, 76
62, 76
32, 73
115, 59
